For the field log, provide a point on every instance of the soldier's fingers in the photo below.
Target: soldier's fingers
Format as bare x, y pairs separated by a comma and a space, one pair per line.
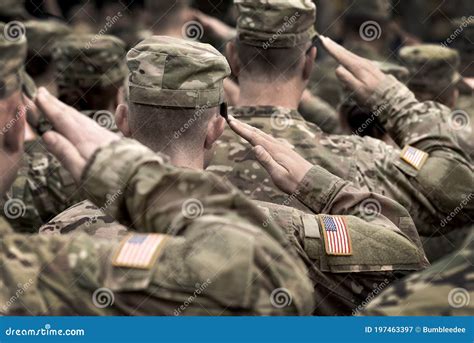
65, 152
348, 79
251, 134
56, 112
266, 160
354, 63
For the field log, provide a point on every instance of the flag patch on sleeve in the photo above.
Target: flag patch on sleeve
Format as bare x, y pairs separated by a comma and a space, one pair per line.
337, 239
139, 251
413, 156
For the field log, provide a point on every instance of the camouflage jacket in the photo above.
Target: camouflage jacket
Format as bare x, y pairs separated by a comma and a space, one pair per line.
463, 122
42, 189
385, 245
203, 256
317, 111
444, 289
437, 193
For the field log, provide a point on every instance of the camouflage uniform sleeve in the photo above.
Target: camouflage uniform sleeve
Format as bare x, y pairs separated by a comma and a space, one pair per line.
446, 177
214, 261
319, 112
326, 193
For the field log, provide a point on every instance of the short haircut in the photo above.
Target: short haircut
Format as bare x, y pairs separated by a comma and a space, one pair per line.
270, 64
170, 129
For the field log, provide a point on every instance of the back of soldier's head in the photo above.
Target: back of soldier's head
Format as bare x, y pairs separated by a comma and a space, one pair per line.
273, 36
433, 71
174, 87
90, 69
41, 36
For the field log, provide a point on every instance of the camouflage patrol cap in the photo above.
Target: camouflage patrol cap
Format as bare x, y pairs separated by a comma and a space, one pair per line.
172, 72
369, 9
88, 60
43, 34
432, 68
275, 23
12, 59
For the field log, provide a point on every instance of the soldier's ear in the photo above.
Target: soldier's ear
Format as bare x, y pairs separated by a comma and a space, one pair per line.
121, 120
310, 56
215, 128
232, 57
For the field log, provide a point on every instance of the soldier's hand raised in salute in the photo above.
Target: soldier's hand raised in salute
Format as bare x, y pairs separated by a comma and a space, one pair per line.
285, 166
358, 74
75, 137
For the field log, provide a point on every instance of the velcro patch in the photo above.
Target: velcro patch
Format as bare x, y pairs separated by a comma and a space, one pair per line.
413, 156
139, 251
337, 240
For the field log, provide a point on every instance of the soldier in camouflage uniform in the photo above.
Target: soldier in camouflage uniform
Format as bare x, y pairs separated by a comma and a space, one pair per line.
216, 263
342, 281
91, 70
42, 187
434, 76
433, 186
444, 289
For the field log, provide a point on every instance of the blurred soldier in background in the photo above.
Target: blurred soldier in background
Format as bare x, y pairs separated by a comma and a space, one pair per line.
90, 72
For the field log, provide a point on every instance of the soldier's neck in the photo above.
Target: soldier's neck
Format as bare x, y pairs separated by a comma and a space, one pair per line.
190, 161
286, 95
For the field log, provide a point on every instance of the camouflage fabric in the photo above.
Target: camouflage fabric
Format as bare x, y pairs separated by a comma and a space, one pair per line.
317, 111
442, 185
43, 34
215, 261
275, 23
172, 72
433, 68
444, 289
84, 217
385, 245
41, 190
463, 122
86, 60
12, 57
370, 9
324, 83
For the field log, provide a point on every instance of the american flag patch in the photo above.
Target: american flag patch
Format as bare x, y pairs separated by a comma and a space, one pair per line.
138, 251
336, 235
413, 156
